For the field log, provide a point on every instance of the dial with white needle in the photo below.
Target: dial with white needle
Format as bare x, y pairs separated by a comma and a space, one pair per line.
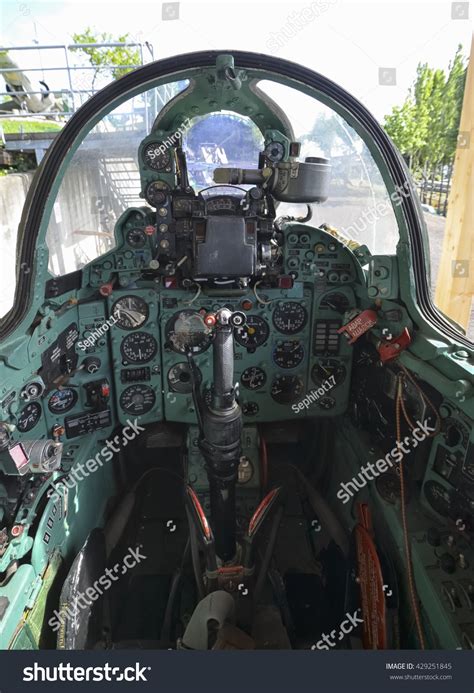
130, 312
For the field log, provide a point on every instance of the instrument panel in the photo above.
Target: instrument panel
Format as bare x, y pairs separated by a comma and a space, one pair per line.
289, 359
279, 357
125, 357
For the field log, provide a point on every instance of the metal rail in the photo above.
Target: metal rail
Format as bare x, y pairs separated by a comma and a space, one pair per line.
70, 70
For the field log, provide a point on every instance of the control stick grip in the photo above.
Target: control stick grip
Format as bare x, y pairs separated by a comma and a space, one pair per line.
223, 366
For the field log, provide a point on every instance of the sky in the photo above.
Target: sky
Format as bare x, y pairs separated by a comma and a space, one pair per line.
370, 48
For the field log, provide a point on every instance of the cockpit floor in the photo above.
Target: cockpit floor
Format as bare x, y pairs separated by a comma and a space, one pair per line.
298, 594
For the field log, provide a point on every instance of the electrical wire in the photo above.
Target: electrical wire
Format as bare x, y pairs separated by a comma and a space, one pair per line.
259, 298
195, 297
424, 398
399, 407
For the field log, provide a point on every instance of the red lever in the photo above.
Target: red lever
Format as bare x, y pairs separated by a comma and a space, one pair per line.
390, 349
201, 515
262, 511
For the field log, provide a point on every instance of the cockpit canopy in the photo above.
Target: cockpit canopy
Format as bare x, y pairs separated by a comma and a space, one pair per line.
225, 121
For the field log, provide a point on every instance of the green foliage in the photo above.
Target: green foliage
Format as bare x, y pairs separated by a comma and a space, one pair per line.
425, 127
454, 94
406, 127
21, 163
107, 61
11, 126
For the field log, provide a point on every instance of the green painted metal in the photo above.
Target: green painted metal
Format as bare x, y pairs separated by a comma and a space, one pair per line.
434, 357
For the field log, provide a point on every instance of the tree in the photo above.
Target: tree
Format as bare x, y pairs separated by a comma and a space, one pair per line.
108, 61
406, 129
425, 127
454, 92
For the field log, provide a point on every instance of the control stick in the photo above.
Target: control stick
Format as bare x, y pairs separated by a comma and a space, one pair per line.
220, 426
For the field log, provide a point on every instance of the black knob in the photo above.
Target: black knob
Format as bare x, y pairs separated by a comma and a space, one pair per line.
448, 563
91, 364
238, 319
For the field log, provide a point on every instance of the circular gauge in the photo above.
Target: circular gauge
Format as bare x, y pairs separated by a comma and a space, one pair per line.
253, 334
253, 378
244, 471
187, 332
130, 312
335, 301
136, 238
62, 401
328, 371
137, 399
275, 151
156, 156
290, 317
250, 408
455, 433
156, 192
139, 347
5, 435
288, 354
438, 497
179, 379
29, 417
286, 388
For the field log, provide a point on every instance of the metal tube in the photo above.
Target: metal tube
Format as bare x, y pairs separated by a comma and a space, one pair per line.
63, 69
61, 45
68, 67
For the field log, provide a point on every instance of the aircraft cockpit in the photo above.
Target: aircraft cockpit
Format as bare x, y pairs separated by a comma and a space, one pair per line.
228, 407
